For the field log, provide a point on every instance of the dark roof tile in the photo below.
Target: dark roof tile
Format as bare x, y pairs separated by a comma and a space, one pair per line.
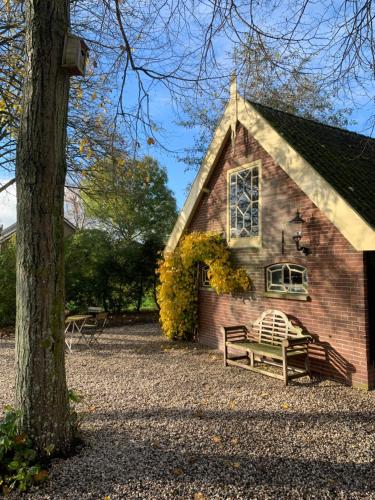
346, 160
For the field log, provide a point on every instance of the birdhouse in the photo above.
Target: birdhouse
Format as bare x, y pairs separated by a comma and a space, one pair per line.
75, 55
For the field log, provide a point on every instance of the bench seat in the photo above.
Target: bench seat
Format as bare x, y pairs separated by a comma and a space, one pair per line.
273, 351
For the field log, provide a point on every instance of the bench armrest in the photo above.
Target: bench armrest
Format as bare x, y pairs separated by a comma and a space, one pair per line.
234, 328
303, 339
234, 333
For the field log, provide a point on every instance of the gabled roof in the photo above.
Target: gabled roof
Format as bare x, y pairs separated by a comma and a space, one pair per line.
334, 167
7, 232
345, 159
10, 230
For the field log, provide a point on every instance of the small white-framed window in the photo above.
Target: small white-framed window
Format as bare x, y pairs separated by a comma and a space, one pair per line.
205, 282
286, 278
244, 205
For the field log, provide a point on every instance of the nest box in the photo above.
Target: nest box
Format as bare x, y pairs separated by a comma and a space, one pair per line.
75, 55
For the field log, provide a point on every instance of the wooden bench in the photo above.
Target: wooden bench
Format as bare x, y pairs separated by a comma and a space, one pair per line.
272, 339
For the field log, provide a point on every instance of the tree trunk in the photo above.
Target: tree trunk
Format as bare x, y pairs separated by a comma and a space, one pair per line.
156, 294
140, 296
41, 390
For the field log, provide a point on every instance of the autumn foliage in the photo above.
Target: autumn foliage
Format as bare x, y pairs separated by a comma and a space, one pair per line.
179, 280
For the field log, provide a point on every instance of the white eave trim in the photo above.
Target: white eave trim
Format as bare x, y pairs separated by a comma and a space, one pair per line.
220, 136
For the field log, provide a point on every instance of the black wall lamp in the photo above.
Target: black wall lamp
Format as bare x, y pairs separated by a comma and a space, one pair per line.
298, 234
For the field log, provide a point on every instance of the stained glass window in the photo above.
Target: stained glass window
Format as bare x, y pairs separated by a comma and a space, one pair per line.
287, 278
244, 203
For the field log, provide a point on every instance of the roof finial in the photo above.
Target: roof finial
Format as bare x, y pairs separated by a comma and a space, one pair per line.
233, 99
233, 85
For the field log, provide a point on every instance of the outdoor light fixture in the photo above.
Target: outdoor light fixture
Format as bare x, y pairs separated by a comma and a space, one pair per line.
298, 234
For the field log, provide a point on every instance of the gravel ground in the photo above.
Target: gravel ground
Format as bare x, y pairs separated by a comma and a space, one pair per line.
167, 422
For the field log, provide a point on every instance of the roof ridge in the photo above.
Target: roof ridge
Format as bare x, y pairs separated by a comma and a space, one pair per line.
317, 122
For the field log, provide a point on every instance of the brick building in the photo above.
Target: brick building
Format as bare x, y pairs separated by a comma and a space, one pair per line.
263, 166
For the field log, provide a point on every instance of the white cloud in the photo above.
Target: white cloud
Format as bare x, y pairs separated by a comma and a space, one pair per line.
8, 204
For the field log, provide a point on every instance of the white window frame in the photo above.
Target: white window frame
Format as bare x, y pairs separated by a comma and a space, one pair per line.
286, 288
251, 241
205, 282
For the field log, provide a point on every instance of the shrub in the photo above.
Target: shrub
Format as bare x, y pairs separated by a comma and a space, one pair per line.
18, 467
177, 292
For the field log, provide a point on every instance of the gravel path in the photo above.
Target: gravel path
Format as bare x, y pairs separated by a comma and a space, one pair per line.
173, 423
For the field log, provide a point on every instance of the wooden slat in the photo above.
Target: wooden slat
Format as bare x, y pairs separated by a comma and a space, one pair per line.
254, 369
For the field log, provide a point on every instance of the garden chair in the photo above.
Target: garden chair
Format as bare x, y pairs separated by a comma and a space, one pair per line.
94, 328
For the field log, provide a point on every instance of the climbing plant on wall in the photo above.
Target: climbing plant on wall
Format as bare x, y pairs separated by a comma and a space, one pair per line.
178, 289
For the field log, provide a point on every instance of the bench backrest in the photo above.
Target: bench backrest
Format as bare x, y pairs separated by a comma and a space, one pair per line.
273, 326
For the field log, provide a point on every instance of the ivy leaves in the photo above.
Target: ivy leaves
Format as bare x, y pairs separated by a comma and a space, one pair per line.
177, 292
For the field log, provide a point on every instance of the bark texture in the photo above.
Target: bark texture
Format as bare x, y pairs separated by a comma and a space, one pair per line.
41, 167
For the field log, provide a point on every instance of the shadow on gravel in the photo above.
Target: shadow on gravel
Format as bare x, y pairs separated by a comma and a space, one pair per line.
7, 344
159, 462
281, 419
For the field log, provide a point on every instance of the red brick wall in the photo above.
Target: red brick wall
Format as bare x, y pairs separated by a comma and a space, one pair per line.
335, 315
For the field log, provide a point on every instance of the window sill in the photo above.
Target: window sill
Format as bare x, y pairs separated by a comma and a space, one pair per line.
287, 296
254, 242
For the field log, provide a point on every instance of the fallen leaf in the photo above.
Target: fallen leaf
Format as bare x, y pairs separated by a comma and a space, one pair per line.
41, 476
264, 395
199, 496
177, 471
107, 497
233, 404
285, 406
234, 441
236, 465
20, 439
216, 439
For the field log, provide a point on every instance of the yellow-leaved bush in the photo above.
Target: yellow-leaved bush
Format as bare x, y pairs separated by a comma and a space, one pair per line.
179, 280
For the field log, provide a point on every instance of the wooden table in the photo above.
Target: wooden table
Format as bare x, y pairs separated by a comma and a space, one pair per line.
74, 324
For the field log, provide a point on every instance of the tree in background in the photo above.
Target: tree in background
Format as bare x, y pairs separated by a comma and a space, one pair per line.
285, 82
114, 274
130, 199
88, 267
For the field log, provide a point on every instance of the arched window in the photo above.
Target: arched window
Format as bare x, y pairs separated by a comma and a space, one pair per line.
286, 278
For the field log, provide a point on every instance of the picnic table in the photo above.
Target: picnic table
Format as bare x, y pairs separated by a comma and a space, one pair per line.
75, 324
